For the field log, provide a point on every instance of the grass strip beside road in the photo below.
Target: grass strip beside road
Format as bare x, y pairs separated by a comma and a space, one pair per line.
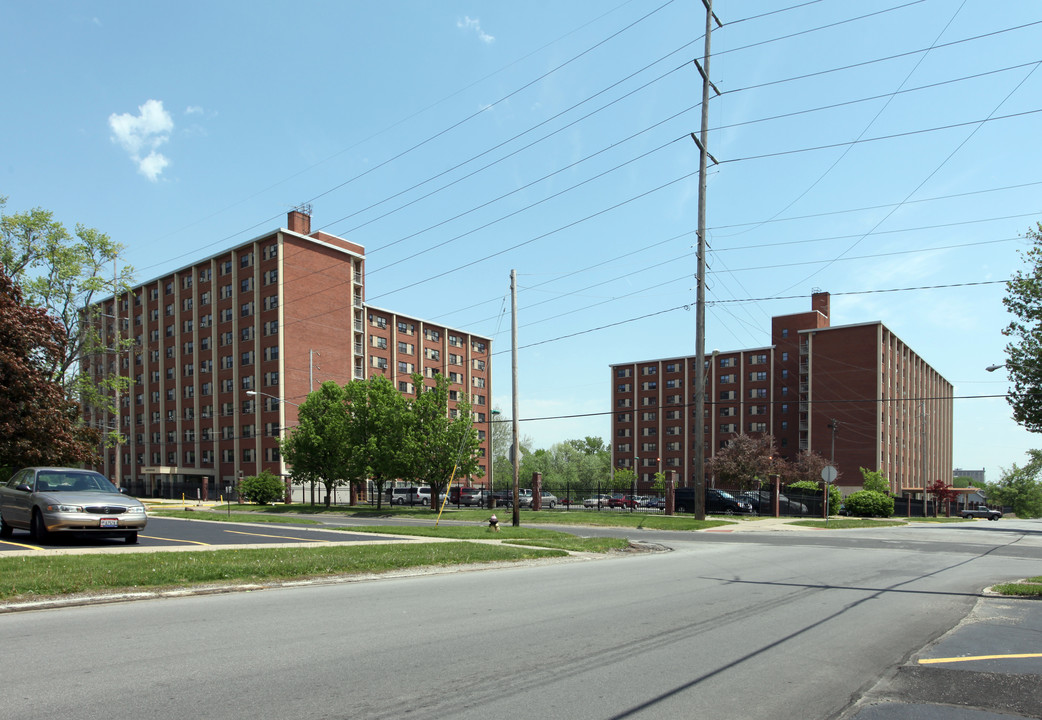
32, 577
847, 523
602, 518
515, 536
1031, 587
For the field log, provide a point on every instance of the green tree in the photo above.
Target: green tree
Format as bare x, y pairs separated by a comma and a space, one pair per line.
318, 447
1024, 351
377, 425
1020, 487
440, 446
39, 425
875, 481
622, 480
65, 274
746, 461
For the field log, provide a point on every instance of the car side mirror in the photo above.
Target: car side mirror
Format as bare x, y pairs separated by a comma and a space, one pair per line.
23, 487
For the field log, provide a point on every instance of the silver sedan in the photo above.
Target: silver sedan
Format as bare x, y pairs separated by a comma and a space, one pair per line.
50, 499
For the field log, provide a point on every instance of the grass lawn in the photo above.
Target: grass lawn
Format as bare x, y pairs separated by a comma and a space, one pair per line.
33, 577
516, 536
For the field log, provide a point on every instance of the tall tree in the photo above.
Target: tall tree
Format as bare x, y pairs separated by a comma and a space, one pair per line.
1020, 487
746, 460
64, 274
440, 445
377, 421
318, 447
1024, 351
39, 425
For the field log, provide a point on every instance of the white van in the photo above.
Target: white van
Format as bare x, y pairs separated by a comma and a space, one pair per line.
410, 496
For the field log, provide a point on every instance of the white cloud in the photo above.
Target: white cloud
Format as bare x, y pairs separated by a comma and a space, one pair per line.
144, 133
474, 24
193, 110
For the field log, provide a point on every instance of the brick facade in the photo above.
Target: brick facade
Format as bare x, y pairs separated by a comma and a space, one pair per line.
890, 410
226, 347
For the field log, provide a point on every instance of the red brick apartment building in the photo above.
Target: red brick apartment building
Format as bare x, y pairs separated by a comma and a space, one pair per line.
227, 347
855, 393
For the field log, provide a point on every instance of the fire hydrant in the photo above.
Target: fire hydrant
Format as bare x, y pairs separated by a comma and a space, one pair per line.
493, 524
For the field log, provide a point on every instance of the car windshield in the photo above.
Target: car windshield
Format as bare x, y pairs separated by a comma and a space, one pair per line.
727, 495
73, 481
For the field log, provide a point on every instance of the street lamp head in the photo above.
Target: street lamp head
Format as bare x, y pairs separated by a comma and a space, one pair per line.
251, 392
993, 368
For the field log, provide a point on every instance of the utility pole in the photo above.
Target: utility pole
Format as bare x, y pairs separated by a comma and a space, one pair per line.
700, 303
833, 424
515, 447
118, 470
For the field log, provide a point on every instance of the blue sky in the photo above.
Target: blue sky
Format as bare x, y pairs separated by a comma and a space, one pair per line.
863, 149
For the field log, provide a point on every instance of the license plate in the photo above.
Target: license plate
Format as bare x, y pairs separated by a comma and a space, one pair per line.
109, 522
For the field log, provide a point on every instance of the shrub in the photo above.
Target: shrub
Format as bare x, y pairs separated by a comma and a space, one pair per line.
262, 489
869, 503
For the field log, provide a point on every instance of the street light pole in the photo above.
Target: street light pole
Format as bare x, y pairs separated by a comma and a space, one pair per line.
491, 457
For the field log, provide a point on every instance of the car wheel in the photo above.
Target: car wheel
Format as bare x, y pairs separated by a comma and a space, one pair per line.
131, 538
5, 529
552, 504
399, 501
966, 517
425, 502
993, 518
36, 527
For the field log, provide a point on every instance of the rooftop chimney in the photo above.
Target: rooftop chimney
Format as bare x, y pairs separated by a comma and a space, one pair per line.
299, 220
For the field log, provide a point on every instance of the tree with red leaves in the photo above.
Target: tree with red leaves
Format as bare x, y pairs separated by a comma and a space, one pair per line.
747, 460
39, 425
943, 492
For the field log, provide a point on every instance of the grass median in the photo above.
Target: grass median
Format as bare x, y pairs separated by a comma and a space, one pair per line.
32, 577
596, 518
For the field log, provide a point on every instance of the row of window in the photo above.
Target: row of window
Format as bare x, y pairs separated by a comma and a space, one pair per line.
408, 328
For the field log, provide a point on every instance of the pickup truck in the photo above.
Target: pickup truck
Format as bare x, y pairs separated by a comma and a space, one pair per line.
981, 512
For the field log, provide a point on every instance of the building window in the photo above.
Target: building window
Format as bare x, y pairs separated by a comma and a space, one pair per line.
246, 260
246, 285
271, 302
246, 309
271, 352
226, 291
247, 358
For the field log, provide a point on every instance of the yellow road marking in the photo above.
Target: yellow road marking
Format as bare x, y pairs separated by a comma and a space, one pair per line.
281, 537
27, 547
173, 540
931, 661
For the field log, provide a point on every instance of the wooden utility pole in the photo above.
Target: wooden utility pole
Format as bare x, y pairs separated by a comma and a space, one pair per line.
515, 447
700, 303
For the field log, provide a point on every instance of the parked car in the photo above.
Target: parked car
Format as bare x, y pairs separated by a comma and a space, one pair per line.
597, 501
619, 500
46, 500
657, 503
503, 498
411, 496
981, 512
473, 496
761, 503
717, 502
548, 500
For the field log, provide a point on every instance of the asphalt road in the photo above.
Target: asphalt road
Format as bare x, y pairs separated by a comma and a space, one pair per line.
726, 625
166, 533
